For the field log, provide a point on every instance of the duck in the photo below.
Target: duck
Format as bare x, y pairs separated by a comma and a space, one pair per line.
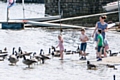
13, 59
91, 66
28, 61
55, 54
113, 54
111, 66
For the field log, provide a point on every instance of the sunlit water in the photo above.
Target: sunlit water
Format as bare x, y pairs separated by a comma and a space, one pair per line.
34, 39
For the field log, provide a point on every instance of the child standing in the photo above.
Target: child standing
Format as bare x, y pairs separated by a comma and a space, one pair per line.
83, 39
60, 45
99, 44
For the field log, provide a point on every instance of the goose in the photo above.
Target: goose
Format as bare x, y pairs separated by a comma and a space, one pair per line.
57, 51
49, 52
55, 55
113, 54
19, 53
28, 61
87, 54
111, 66
90, 66
3, 51
78, 48
24, 53
80, 53
27, 53
38, 57
13, 59
43, 56
68, 52
3, 56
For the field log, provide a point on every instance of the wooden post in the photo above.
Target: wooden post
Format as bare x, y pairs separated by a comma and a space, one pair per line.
23, 12
59, 12
7, 14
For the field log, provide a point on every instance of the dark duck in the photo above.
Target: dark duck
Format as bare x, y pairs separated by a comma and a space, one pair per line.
91, 66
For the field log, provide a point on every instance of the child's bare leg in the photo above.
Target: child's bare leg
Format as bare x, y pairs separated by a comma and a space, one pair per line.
99, 54
84, 53
80, 53
61, 54
105, 55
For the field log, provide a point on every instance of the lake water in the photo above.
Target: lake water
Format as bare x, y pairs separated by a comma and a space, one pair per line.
15, 12
34, 39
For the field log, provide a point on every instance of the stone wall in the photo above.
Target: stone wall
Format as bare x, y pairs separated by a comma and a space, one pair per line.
78, 8
75, 7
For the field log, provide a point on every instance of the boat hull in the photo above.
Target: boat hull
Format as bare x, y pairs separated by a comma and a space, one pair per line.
12, 25
111, 6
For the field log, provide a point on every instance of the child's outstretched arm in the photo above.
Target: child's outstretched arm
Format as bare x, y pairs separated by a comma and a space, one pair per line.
57, 46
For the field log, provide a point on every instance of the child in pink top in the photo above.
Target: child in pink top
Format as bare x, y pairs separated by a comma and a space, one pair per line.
60, 45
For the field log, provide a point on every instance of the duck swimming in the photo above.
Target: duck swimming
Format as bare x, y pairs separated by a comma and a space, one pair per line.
90, 66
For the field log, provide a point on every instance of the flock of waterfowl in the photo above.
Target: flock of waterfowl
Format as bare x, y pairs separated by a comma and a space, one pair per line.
30, 58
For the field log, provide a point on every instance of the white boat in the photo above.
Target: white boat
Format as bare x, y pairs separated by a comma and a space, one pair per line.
111, 6
41, 19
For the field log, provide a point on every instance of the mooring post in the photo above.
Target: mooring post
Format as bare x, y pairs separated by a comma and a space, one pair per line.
113, 77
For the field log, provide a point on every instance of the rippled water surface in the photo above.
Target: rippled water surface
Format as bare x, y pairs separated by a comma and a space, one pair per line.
33, 39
